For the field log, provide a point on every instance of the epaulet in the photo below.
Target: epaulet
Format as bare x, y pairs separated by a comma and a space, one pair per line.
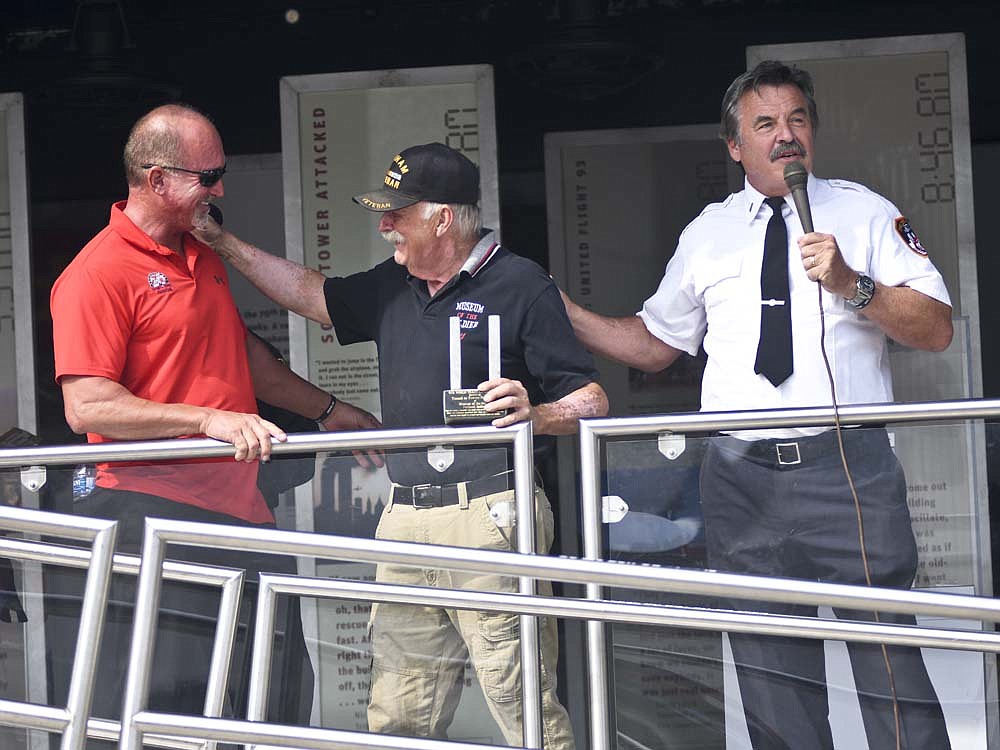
717, 206
848, 185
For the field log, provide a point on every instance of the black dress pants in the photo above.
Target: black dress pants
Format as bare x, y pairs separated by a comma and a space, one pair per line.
798, 520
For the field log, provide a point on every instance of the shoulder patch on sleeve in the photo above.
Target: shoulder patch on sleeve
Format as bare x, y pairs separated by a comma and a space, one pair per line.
908, 236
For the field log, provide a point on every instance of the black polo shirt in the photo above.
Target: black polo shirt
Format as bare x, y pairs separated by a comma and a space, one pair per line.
388, 306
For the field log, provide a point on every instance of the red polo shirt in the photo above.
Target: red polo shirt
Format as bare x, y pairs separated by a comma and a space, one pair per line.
167, 329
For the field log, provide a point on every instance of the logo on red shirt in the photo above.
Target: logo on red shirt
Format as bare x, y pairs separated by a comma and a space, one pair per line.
159, 282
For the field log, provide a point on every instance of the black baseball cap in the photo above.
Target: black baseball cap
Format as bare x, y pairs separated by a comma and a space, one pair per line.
431, 172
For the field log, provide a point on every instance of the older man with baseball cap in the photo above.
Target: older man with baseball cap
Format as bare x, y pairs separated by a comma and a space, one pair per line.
446, 265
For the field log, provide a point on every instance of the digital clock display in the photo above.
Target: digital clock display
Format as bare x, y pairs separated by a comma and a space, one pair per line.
932, 94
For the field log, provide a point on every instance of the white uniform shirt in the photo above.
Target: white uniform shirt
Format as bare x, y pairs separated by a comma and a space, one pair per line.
710, 293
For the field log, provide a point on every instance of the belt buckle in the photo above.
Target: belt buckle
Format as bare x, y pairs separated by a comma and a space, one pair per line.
422, 493
788, 454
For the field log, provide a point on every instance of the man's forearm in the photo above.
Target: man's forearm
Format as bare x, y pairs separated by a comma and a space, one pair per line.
103, 406
625, 340
562, 417
107, 408
289, 284
911, 318
277, 384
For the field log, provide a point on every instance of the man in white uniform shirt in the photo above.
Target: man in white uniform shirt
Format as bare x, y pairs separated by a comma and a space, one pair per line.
780, 505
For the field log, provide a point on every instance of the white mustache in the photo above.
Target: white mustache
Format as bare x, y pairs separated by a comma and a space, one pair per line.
392, 237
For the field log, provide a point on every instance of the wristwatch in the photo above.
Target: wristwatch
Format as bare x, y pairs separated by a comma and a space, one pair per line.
865, 292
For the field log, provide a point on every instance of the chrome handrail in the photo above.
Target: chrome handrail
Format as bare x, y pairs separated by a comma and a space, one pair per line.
592, 572
693, 618
159, 532
592, 430
280, 735
307, 442
811, 416
149, 450
228, 580
71, 721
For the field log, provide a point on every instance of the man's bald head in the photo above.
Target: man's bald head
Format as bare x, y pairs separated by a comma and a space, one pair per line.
158, 138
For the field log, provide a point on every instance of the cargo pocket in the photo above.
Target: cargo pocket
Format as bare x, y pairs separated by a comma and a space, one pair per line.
501, 655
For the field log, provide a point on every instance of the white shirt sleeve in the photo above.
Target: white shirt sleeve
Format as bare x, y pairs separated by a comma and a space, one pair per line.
898, 259
674, 313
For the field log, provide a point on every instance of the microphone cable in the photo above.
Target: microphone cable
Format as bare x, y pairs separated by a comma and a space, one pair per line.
796, 178
857, 510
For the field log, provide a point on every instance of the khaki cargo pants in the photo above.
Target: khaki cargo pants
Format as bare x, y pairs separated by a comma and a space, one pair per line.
419, 653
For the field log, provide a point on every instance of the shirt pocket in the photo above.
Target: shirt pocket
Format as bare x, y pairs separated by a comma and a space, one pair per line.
730, 289
805, 302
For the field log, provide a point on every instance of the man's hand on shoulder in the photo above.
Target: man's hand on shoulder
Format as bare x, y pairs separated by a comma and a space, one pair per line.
569, 304
625, 339
348, 417
249, 433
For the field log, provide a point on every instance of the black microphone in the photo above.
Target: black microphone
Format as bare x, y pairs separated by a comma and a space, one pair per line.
796, 178
216, 213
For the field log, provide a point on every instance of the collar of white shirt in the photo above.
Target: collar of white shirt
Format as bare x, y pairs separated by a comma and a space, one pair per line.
753, 199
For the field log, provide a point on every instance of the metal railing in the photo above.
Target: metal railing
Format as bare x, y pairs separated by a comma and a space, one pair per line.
159, 533
594, 573
72, 720
594, 430
518, 436
228, 580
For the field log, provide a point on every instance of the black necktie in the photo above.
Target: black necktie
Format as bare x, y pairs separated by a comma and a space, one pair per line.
774, 349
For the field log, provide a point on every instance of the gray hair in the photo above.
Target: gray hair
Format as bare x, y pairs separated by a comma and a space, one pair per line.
767, 73
156, 138
468, 219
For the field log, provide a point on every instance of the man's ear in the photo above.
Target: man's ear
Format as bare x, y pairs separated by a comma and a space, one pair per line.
734, 149
445, 218
155, 180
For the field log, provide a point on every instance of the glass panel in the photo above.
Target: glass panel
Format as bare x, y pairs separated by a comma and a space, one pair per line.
344, 500
348, 498
424, 680
38, 662
667, 682
782, 507
13, 738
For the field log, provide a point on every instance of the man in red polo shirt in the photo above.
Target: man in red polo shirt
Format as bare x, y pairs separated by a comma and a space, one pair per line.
149, 344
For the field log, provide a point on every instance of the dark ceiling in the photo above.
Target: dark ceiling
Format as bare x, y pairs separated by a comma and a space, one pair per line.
89, 67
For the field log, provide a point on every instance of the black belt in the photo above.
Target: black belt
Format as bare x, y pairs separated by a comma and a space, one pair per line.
792, 453
439, 495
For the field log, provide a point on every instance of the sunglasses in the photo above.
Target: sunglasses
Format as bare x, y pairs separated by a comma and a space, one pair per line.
207, 177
